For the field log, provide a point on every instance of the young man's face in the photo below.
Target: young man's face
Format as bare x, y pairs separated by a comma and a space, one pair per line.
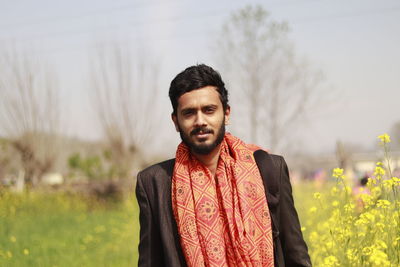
200, 119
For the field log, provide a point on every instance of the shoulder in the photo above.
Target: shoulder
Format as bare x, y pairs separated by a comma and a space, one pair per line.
280, 163
277, 160
157, 171
154, 182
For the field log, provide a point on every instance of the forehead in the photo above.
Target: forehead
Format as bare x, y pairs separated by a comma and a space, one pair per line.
199, 97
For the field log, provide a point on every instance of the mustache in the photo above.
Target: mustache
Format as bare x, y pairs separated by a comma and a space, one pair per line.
201, 130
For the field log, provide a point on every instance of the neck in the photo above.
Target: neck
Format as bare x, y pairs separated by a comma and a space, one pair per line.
210, 160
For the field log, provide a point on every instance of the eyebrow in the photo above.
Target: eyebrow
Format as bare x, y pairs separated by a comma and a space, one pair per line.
189, 109
186, 110
210, 106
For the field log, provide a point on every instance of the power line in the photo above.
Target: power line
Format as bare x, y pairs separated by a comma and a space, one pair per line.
130, 24
100, 12
372, 12
177, 18
118, 9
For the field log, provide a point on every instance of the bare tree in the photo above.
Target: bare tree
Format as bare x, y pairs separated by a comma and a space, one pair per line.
275, 87
29, 112
124, 94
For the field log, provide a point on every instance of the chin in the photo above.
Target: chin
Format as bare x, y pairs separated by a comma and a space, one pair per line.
204, 142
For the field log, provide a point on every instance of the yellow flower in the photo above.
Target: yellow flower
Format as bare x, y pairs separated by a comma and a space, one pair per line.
361, 234
331, 261
360, 222
380, 244
303, 229
349, 207
313, 209
380, 227
371, 182
383, 203
396, 181
13, 239
376, 192
365, 218
317, 195
9, 254
338, 173
379, 172
329, 244
348, 189
385, 138
335, 203
350, 254
366, 199
26, 251
314, 236
367, 251
379, 258
388, 184
334, 190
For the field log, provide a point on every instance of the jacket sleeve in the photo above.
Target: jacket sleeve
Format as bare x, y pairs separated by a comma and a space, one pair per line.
294, 248
148, 232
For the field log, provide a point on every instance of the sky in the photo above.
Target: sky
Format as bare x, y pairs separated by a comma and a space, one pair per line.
355, 44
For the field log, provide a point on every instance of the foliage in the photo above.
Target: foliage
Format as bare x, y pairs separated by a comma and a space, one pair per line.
96, 167
346, 228
91, 166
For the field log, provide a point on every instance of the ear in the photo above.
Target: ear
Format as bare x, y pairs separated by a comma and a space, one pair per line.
227, 114
175, 120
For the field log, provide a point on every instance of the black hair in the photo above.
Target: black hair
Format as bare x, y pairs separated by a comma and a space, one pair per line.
195, 77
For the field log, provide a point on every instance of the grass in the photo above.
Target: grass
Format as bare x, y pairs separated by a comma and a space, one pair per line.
66, 230
60, 230
57, 229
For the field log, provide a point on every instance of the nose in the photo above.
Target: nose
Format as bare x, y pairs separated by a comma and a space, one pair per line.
200, 120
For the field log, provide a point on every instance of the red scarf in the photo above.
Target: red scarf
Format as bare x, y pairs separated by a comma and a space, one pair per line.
222, 220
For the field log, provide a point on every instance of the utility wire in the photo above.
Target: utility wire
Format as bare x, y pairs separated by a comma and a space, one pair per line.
192, 33
128, 8
217, 13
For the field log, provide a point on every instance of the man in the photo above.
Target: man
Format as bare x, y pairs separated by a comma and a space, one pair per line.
212, 205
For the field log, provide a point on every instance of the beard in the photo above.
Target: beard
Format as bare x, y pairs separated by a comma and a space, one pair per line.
203, 149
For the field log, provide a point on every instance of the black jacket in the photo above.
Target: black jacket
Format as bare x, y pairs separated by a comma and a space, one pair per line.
159, 240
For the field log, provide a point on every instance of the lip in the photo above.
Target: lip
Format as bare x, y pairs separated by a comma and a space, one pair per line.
202, 135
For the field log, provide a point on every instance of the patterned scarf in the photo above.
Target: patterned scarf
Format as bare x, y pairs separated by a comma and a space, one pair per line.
222, 220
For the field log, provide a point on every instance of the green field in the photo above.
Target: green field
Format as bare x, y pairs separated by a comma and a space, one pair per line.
66, 230
55, 229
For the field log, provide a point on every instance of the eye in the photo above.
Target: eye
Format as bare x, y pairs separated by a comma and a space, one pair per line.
187, 112
209, 109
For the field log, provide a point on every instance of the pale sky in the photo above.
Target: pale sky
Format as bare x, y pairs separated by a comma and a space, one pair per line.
355, 43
